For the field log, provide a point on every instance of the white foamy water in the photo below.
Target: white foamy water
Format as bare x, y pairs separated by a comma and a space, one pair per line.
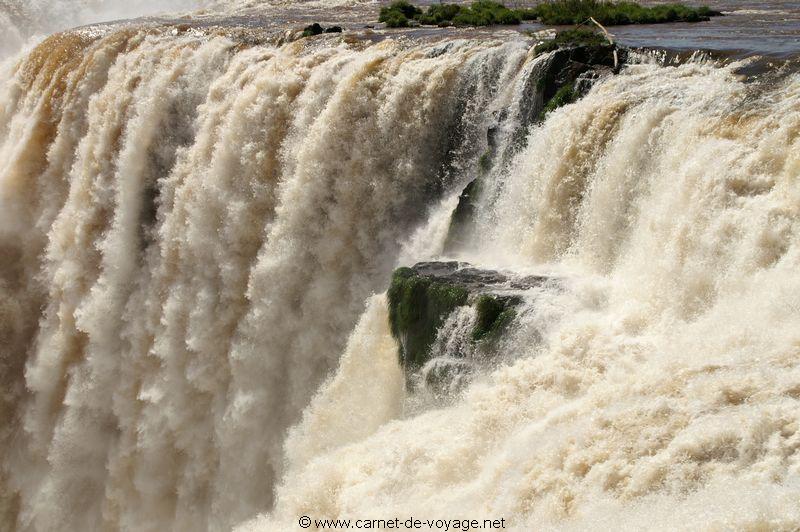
664, 391
194, 239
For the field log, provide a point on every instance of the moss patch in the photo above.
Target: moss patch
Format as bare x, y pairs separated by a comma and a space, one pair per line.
417, 308
564, 96
494, 314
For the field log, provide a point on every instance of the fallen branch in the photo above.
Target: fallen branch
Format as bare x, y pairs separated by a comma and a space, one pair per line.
610, 40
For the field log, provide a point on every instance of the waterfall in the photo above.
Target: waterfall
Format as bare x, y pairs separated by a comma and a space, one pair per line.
199, 255
658, 389
195, 238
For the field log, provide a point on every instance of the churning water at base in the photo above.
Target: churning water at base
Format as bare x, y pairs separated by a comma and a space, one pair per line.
190, 228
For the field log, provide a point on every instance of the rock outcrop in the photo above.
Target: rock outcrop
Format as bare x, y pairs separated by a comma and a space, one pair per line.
423, 297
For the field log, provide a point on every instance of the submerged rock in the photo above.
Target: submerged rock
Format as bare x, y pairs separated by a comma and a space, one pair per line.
317, 29
313, 29
423, 297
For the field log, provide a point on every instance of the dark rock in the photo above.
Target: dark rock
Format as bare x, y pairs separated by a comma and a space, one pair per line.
313, 29
421, 299
569, 63
334, 29
462, 222
568, 74
474, 280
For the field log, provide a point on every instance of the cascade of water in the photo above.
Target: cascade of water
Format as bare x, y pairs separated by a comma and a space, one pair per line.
190, 226
200, 254
658, 388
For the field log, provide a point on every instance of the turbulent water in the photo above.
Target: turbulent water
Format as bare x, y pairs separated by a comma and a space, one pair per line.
195, 236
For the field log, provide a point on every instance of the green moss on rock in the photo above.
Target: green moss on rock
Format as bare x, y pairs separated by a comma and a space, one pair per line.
564, 96
417, 308
494, 313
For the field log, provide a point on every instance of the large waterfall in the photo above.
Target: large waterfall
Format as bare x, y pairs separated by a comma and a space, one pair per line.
197, 231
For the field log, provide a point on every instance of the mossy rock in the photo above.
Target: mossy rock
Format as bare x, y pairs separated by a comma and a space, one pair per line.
421, 299
313, 29
581, 57
494, 314
564, 96
418, 306
316, 29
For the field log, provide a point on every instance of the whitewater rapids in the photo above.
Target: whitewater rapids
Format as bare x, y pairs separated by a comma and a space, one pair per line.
195, 235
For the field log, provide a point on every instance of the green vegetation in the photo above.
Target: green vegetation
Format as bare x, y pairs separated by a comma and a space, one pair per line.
493, 315
400, 13
439, 14
563, 12
481, 13
564, 96
417, 308
576, 37
486, 13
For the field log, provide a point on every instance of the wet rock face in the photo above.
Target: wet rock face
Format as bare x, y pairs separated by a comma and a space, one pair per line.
435, 306
568, 65
566, 76
474, 280
423, 298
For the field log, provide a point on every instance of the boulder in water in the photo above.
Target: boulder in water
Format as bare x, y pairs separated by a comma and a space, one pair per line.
423, 297
313, 29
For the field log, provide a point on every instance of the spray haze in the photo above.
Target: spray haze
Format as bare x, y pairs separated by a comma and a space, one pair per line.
24, 20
